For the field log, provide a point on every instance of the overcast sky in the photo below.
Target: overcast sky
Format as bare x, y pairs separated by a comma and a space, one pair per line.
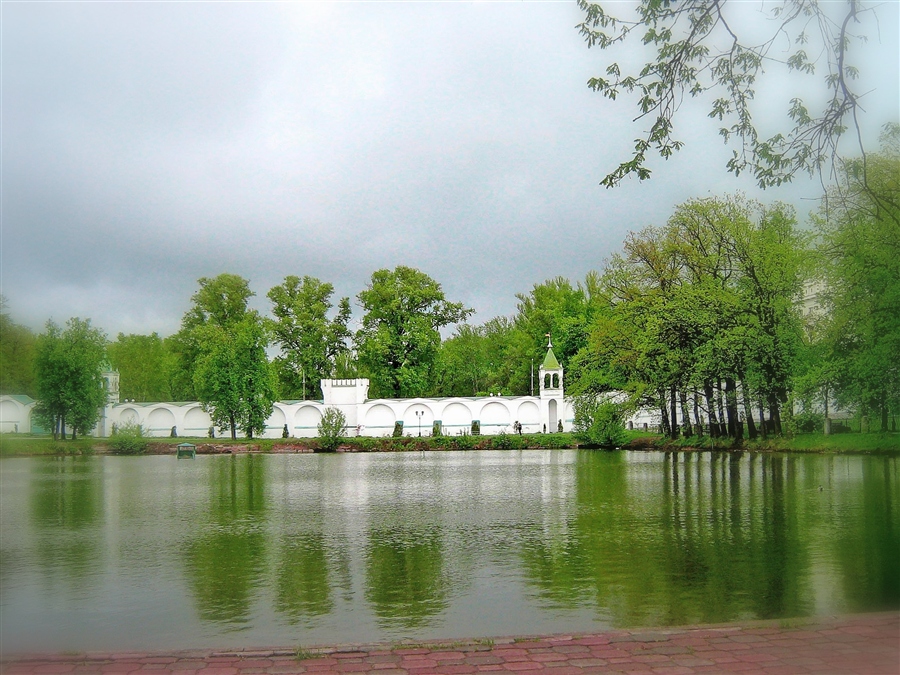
145, 145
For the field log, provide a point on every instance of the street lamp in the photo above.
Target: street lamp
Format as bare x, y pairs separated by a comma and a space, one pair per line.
419, 414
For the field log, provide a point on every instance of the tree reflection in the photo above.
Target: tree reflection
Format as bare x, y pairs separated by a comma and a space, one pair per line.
225, 564
716, 537
406, 582
66, 507
302, 588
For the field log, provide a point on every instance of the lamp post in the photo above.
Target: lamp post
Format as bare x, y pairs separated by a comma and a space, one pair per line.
419, 414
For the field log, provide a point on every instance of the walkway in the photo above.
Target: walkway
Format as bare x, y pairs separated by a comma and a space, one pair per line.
865, 643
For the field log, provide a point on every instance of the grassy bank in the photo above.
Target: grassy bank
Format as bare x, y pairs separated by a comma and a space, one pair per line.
852, 443
22, 445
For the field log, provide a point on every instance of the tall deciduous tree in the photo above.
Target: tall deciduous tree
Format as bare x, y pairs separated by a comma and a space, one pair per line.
68, 367
723, 50
221, 301
310, 342
399, 338
222, 346
860, 247
233, 378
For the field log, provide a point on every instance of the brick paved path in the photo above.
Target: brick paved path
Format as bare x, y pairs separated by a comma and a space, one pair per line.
865, 643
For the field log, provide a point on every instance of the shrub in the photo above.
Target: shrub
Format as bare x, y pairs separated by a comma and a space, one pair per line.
331, 429
398, 430
599, 423
807, 422
128, 439
476, 428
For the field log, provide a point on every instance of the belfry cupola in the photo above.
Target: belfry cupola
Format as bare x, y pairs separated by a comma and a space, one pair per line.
551, 374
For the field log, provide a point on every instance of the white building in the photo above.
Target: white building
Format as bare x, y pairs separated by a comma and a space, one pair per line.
365, 416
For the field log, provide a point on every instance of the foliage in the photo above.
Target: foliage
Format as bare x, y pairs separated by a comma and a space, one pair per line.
68, 369
399, 338
331, 429
128, 439
698, 311
145, 365
310, 342
599, 422
859, 333
17, 346
220, 302
702, 48
398, 429
233, 378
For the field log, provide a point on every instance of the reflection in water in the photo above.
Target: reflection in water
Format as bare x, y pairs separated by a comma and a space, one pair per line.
405, 578
293, 549
718, 537
67, 512
224, 563
303, 588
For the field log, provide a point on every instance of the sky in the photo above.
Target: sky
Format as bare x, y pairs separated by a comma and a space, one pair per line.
147, 144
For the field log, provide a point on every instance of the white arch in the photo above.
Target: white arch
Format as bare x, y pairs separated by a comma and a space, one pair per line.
495, 417
160, 422
413, 424
456, 418
196, 422
306, 420
379, 420
275, 423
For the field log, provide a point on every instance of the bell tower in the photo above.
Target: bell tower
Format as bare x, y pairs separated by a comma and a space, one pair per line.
551, 389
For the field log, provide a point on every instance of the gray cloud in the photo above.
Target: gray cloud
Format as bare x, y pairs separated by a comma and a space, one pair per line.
146, 145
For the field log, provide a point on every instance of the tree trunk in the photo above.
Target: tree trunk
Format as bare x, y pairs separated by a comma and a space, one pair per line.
233, 429
664, 415
673, 411
685, 415
884, 413
748, 412
762, 420
735, 430
721, 408
711, 407
698, 423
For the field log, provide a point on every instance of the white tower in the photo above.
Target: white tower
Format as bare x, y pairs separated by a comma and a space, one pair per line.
551, 389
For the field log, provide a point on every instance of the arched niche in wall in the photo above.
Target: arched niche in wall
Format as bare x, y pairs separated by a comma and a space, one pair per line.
380, 420
494, 417
160, 422
456, 417
306, 421
196, 422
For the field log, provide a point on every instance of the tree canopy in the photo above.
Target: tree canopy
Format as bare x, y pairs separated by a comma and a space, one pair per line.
68, 368
722, 52
399, 338
310, 342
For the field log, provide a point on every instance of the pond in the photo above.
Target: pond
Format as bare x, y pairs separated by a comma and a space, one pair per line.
102, 553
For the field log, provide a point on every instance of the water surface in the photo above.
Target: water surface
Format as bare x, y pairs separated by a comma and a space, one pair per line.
253, 550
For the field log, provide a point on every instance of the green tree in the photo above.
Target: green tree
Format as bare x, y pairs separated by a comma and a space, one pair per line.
145, 365
221, 301
17, 344
68, 368
399, 338
860, 284
723, 50
331, 429
310, 342
233, 378
599, 422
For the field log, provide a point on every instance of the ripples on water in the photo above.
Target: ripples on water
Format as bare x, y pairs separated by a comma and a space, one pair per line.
222, 551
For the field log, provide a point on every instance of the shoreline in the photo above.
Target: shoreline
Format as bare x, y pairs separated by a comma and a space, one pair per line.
852, 643
882, 444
